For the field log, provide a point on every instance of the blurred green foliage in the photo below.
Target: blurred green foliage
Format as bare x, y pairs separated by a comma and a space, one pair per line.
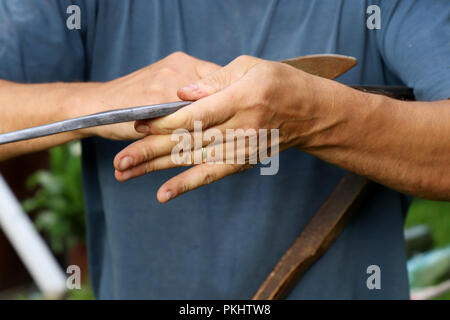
59, 198
33, 293
436, 215
445, 296
60, 207
85, 293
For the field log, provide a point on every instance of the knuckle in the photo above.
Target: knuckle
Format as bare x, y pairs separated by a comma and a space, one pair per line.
218, 80
148, 167
165, 72
177, 55
146, 153
257, 121
268, 69
243, 58
267, 87
178, 60
207, 177
187, 122
157, 83
184, 187
154, 88
207, 118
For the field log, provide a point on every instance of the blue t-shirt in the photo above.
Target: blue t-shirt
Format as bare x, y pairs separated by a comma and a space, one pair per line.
222, 240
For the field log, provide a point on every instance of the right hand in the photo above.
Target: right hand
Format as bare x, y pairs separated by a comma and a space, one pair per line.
156, 83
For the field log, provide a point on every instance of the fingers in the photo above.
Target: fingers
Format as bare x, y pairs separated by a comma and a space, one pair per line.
163, 152
221, 146
133, 161
218, 80
217, 96
143, 150
168, 161
210, 111
161, 163
156, 146
219, 104
193, 178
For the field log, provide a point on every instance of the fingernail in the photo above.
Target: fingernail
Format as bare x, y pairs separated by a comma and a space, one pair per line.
125, 163
126, 175
191, 87
143, 128
169, 195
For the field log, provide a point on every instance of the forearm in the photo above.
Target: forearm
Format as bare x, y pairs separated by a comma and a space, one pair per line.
403, 145
27, 105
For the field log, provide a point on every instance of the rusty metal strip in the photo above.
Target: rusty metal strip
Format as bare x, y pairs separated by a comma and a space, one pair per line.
315, 239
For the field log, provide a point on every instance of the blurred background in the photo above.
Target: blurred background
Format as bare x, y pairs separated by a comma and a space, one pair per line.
48, 185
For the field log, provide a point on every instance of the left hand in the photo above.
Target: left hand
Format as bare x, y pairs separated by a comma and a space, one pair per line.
247, 93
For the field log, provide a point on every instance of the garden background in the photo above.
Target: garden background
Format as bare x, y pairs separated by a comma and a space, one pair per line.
50, 188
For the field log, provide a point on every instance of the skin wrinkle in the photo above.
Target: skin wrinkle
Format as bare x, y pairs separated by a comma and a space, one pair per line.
322, 123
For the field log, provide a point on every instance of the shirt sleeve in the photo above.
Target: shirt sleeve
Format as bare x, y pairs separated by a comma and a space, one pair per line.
414, 41
35, 43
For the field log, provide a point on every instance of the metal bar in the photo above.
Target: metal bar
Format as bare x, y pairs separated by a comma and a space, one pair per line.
93, 120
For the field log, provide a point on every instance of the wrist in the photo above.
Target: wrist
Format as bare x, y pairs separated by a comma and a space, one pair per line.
325, 113
342, 115
319, 111
80, 100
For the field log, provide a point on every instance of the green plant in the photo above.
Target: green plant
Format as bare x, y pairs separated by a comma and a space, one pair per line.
436, 215
58, 200
85, 293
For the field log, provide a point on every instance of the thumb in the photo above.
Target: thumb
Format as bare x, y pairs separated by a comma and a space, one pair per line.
218, 80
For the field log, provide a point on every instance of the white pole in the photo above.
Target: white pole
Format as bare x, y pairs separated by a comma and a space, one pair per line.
29, 245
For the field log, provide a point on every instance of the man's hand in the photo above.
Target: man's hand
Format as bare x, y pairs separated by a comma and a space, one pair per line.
249, 93
29, 105
403, 145
153, 84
